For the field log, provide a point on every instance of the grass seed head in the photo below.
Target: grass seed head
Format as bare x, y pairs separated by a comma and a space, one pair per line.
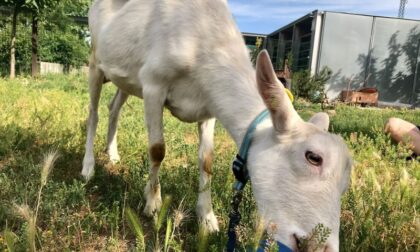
180, 214
23, 211
26, 213
48, 165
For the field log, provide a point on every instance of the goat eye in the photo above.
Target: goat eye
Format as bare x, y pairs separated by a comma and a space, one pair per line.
313, 158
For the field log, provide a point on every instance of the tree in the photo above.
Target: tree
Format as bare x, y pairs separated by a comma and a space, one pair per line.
37, 7
13, 43
15, 5
64, 41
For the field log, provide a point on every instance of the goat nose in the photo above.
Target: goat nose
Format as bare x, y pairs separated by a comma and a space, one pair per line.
328, 248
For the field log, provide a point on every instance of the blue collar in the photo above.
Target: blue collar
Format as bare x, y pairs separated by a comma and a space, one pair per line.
239, 165
243, 151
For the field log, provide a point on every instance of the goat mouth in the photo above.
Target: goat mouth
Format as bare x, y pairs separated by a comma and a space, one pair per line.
298, 244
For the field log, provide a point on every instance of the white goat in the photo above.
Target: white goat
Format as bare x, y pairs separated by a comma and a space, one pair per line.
190, 57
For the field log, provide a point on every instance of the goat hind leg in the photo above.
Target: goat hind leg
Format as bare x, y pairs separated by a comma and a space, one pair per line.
205, 156
114, 111
96, 78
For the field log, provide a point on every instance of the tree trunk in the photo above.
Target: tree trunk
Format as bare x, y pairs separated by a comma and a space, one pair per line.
13, 44
34, 44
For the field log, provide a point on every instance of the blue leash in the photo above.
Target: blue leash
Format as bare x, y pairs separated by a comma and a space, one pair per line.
282, 248
241, 174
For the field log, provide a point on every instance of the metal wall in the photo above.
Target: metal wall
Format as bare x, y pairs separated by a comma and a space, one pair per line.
372, 51
393, 59
344, 48
416, 93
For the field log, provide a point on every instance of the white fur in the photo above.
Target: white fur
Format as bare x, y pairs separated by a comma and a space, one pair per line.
204, 207
114, 111
321, 120
190, 57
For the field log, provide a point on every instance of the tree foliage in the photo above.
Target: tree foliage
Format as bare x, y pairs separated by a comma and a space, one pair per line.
32, 6
64, 48
61, 40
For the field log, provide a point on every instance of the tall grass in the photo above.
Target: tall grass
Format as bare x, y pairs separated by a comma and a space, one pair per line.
26, 213
379, 211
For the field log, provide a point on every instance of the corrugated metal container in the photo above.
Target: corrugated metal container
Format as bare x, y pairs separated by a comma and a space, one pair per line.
361, 50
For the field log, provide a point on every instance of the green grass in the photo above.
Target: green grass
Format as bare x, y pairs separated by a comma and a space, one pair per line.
379, 212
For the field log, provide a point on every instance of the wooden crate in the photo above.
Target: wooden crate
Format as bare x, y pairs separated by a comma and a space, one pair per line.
359, 97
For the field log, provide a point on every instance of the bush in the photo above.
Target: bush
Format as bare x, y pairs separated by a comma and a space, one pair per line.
310, 87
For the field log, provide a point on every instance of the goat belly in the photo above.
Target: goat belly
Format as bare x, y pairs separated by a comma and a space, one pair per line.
188, 111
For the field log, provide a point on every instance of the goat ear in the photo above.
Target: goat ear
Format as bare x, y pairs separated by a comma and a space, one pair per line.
321, 120
283, 115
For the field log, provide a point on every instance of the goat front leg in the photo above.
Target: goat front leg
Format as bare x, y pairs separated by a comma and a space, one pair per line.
205, 156
96, 79
154, 98
114, 111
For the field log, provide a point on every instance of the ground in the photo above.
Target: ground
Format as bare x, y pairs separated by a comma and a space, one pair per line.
379, 211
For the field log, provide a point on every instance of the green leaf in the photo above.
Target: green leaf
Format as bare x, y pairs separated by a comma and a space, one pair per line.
163, 212
134, 224
168, 234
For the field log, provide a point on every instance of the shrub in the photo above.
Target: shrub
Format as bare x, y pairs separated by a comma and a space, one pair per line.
65, 48
310, 87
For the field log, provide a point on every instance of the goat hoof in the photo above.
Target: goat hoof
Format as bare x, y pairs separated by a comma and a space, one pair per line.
88, 169
152, 208
87, 175
209, 222
153, 199
114, 157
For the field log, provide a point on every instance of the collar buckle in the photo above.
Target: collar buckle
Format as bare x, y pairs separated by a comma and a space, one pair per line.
241, 172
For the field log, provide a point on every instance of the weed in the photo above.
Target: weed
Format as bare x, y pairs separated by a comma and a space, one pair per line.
316, 239
135, 226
